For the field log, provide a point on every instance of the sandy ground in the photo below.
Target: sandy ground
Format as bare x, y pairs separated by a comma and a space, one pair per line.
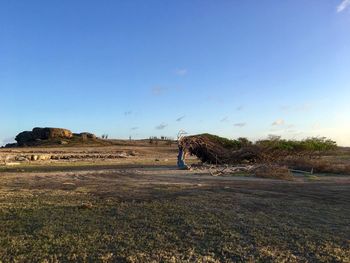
138, 177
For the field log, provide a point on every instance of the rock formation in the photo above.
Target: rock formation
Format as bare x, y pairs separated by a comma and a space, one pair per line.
56, 136
85, 135
39, 134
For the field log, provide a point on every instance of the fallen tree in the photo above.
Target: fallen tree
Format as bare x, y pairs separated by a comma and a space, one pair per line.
218, 150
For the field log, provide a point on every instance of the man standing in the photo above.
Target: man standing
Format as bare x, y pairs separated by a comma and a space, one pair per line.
181, 158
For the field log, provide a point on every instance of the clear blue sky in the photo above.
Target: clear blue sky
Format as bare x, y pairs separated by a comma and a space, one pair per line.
143, 68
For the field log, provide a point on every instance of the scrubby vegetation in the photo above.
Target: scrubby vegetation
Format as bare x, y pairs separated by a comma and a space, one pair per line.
311, 145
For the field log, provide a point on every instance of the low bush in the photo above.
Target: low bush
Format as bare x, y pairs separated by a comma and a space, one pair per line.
313, 144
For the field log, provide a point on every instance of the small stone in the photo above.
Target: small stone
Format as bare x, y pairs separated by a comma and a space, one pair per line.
122, 155
12, 164
132, 153
21, 159
44, 157
85, 206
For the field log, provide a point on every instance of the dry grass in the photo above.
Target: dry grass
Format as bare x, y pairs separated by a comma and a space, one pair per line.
273, 172
135, 215
323, 165
140, 210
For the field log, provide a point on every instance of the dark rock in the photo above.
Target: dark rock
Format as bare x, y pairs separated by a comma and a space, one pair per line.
24, 137
11, 145
37, 134
132, 153
51, 136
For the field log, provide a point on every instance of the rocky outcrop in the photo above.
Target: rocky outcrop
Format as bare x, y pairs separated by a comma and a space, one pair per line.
56, 136
51, 133
85, 135
24, 137
39, 134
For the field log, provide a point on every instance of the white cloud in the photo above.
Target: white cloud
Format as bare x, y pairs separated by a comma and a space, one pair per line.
240, 124
343, 5
285, 108
239, 108
158, 90
278, 122
304, 107
273, 137
297, 108
161, 126
180, 118
181, 72
316, 126
225, 119
215, 99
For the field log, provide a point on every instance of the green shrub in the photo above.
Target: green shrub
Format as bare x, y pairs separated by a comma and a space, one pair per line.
229, 143
312, 144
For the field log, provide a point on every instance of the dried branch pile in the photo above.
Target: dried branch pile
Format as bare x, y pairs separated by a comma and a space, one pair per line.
259, 170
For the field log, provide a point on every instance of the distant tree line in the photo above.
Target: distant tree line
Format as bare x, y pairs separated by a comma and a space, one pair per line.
155, 140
